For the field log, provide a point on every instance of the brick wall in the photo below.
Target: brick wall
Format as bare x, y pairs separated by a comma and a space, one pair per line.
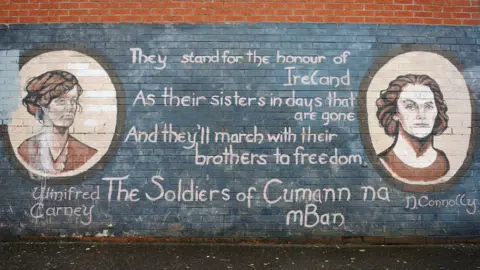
377, 115
448, 12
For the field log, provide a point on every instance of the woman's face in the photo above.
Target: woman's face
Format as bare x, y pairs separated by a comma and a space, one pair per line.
61, 111
417, 110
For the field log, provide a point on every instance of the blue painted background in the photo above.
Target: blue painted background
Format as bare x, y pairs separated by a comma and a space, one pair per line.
233, 218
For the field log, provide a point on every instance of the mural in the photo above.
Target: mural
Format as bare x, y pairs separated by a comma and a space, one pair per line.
414, 118
250, 130
69, 104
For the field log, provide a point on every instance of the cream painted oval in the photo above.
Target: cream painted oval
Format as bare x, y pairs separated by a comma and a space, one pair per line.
94, 125
455, 141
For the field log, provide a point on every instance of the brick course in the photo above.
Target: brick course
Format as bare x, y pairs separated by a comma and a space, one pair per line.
441, 12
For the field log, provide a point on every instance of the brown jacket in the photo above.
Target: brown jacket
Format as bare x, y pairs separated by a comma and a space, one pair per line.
78, 153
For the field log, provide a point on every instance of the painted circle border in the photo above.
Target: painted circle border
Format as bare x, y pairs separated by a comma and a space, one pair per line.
119, 126
362, 116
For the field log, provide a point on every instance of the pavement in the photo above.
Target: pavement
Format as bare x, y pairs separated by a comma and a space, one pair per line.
95, 255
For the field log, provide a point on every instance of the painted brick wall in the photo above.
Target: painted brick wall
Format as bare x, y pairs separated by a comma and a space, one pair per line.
122, 98
362, 121
450, 12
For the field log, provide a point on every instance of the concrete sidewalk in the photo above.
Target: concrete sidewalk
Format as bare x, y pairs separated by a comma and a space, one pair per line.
82, 255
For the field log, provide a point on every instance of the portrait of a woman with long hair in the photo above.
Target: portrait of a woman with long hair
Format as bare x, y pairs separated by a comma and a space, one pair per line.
413, 111
53, 99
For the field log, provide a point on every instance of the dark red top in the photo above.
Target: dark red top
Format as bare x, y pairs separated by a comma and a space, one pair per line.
433, 172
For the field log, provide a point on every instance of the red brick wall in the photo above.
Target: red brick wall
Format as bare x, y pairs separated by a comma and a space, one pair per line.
452, 12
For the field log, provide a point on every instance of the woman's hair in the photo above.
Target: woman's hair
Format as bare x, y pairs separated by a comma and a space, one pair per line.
43, 89
387, 103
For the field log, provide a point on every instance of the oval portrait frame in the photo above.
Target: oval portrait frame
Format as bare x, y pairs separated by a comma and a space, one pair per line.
363, 117
79, 177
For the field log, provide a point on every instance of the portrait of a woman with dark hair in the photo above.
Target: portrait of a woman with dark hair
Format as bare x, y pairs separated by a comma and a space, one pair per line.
413, 111
53, 99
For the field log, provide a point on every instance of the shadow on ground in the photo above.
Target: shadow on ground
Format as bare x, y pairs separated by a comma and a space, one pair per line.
21, 255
